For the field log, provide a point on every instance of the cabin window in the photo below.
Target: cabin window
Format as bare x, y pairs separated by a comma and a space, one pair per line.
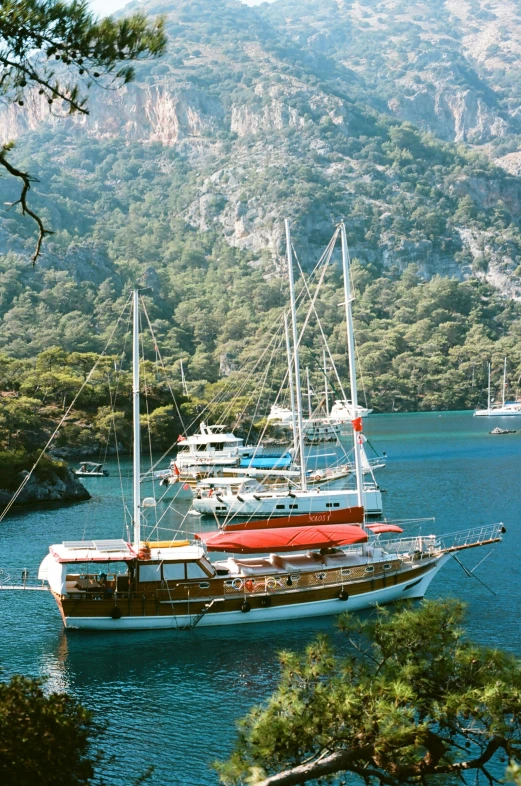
280, 507
174, 571
388, 566
329, 504
369, 569
150, 572
293, 507
195, 571
336, 504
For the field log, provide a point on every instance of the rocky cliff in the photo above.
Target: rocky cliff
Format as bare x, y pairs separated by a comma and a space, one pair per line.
63, 487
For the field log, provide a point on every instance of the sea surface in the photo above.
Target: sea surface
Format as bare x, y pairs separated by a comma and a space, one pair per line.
171, 699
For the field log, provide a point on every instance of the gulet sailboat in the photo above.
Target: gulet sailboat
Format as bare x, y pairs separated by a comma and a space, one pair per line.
307, 499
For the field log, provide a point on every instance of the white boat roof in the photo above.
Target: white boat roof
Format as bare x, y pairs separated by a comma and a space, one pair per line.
119, 551
206, 439
92, 551
181, 553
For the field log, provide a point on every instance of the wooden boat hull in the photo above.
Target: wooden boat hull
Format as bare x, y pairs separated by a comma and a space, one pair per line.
152, 613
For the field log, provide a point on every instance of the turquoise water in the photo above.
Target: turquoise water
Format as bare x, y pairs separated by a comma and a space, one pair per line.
171, 699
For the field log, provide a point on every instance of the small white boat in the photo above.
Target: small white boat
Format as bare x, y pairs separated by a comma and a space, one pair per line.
343, 411
89, 469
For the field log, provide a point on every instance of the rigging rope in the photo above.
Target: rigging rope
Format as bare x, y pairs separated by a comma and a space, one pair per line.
87, 379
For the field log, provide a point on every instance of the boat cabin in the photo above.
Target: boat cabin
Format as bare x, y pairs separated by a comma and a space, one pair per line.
213, 445
217, 486
104, 569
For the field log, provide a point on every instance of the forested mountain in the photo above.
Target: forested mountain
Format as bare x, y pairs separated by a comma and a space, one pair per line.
390, 115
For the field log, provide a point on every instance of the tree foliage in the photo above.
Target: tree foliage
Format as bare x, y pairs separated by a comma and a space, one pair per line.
59, 50
413, 701
45, 738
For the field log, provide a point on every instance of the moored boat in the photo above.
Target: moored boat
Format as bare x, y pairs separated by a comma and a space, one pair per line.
89, 469
110, 585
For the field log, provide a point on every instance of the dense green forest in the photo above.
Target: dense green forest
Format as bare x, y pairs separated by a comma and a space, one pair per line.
421, 345
262, 126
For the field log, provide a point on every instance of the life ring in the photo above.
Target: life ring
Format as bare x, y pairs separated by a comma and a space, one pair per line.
249, 585
237, 584
271, 583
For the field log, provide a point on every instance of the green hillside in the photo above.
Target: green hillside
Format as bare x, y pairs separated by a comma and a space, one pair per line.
182, 182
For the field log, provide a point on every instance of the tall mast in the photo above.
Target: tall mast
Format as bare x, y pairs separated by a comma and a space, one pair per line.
488, 404
296, 359
291, 389
326, 391
352, 366
183, 380
135, 412
310, 411
504, 381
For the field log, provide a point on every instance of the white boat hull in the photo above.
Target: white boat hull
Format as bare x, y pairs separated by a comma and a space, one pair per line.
414, 589
279, 505
497, 413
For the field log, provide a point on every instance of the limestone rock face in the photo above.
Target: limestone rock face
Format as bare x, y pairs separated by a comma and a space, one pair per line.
160, 113
455, 115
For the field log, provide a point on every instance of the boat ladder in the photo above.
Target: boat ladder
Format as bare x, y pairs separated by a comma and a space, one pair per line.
201, 614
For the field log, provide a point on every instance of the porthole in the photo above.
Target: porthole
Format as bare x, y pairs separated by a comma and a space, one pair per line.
388, 566
369, 569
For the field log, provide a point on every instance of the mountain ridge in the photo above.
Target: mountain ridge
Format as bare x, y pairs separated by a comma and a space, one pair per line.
185, 177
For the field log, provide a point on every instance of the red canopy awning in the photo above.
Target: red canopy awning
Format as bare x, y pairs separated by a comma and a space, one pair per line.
284, 538
378, 528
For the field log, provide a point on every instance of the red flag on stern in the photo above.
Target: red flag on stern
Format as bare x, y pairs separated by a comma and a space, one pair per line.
357, 424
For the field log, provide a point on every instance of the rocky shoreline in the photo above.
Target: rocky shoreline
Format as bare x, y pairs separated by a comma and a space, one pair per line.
56, 488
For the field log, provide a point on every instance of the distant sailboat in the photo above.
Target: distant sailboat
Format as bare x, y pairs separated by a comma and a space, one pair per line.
506, 408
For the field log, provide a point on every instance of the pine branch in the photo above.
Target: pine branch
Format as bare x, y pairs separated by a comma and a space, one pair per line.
22, 201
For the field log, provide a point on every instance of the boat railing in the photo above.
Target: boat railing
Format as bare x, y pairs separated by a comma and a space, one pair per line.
454, 541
